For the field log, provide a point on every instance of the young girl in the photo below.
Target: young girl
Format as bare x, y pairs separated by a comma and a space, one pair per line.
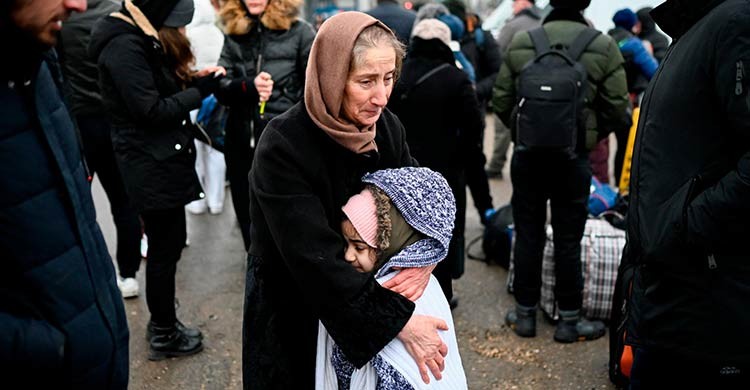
403, 218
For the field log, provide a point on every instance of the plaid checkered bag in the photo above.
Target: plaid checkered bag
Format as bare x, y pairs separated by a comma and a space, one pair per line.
601, 251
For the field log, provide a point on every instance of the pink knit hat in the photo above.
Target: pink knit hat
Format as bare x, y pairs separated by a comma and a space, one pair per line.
362, 212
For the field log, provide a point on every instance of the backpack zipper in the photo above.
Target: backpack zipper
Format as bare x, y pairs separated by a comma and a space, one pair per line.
712, 262
739, 76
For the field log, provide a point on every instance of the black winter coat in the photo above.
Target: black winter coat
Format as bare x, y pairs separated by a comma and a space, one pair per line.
281, 53
152, 134
62, 321
486, 59
690, 188
296, 271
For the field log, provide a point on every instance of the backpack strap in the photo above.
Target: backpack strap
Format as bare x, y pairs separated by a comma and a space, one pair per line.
424, 78
582, 42
540, 40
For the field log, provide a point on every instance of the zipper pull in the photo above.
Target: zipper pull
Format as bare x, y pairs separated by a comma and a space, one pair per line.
712, 262
739, 76
520, 104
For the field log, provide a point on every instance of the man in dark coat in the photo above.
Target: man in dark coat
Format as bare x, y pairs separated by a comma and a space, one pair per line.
648, 32
82, 80
688, 216
62, 322
393, 15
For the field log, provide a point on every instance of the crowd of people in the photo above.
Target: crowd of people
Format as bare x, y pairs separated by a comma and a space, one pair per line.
349, 148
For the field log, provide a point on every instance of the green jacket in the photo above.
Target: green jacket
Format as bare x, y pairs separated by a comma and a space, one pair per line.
607, 96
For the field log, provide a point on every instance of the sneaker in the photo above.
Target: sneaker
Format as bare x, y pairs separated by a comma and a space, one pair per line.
128, 287
572, 328
197, 206
522, 319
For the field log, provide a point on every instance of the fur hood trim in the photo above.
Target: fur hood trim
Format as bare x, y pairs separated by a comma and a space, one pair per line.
279, 15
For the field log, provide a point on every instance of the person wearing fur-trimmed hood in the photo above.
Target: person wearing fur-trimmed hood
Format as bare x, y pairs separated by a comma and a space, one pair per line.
265, 54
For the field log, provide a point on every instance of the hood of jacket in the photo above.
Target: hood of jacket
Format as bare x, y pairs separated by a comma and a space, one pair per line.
430, 49
279, 15
675, 17
426, 202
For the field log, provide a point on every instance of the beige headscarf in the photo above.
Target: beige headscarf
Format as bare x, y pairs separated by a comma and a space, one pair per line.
327, 72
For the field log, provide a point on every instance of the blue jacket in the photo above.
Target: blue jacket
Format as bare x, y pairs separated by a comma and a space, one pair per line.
62, 322
642, 58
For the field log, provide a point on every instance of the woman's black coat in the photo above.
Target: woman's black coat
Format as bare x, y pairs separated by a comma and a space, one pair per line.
296, 271
152, 134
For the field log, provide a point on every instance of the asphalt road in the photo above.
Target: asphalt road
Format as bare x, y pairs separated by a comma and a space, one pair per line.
210, 283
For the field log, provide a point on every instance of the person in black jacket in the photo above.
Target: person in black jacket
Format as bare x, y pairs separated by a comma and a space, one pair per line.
265, 53
62, 320
447, 139
688, 215
82, 77
648, 32
309, 161
396, 17
149, 89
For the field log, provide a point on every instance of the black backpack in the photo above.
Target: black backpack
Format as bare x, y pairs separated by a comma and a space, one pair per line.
551, 91
496, 239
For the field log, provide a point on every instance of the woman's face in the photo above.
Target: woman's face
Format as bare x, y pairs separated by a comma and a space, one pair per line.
369, 86
256, 7
357, 253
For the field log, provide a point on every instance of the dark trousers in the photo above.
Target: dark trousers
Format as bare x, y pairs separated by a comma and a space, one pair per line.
537, 177
622, 136
238, 155
660, 370
476, 176
100, 158
166, 237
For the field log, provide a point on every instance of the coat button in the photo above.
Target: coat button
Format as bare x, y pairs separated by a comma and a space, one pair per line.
183, 122
177, 147
201, 195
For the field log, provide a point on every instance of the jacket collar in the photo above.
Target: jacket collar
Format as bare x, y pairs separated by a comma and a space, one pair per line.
568, 14
676, 17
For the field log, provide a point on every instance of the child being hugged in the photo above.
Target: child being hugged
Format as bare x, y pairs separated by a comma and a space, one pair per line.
403, 218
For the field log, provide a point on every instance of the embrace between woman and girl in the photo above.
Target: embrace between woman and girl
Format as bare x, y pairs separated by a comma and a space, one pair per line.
306, 165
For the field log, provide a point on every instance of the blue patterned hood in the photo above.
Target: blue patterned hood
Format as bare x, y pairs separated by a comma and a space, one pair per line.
427, 204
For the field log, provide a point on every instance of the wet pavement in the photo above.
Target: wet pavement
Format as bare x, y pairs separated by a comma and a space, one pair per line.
210, 283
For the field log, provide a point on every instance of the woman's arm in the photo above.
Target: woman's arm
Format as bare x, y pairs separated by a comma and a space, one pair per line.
360, 315
127, 63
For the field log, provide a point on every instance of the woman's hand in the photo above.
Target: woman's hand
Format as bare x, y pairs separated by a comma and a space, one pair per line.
421, 339
217, 70
410, 282
264, 85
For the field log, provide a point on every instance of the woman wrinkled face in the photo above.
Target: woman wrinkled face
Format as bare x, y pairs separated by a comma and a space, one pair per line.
256, 7
369, 85
357, 253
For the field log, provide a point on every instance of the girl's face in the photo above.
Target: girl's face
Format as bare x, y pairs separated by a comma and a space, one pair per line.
256, 7
360, 255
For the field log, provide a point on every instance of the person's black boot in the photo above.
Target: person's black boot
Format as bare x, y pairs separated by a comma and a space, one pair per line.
169, 342
572, 328
189, 332
522, 320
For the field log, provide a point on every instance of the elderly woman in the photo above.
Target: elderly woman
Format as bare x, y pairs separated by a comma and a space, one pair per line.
308, 163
